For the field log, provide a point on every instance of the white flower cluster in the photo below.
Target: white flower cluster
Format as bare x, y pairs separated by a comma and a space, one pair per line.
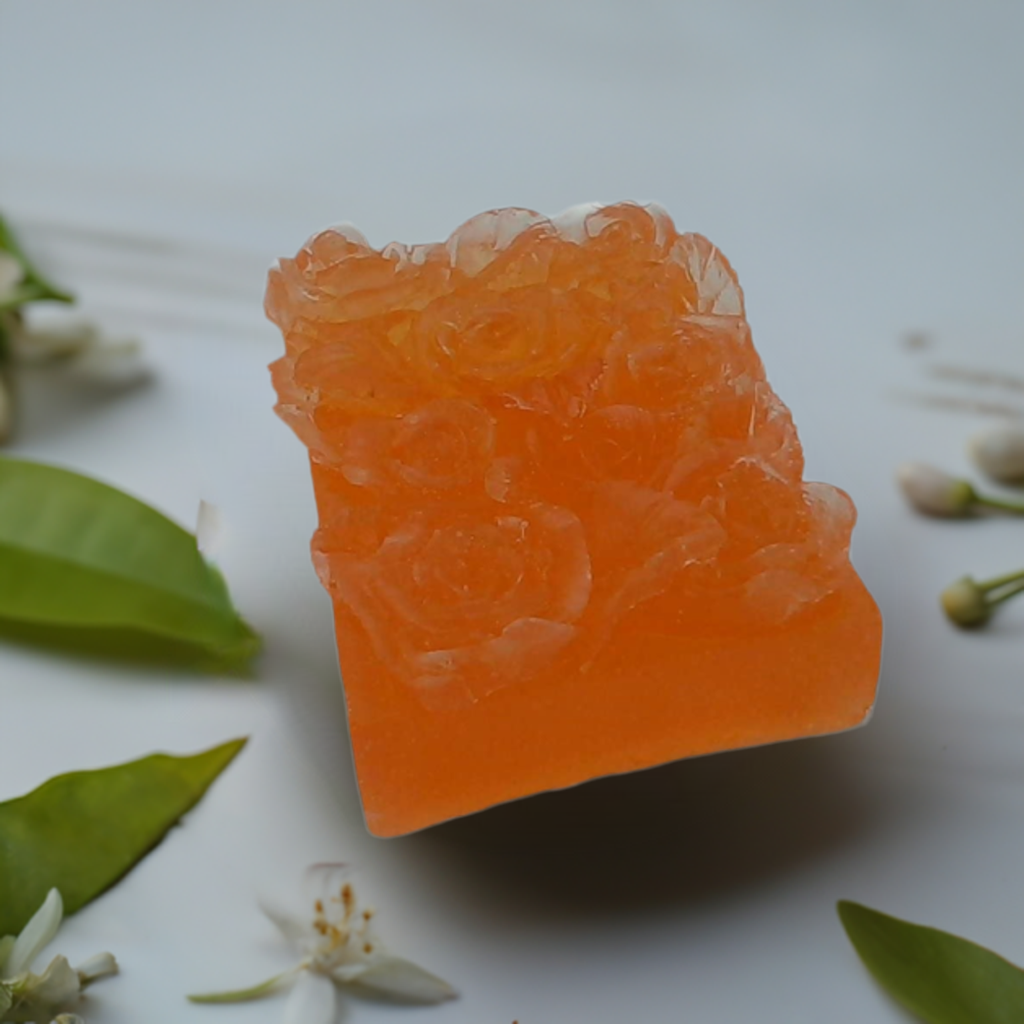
87, 352
77, 345
52, 995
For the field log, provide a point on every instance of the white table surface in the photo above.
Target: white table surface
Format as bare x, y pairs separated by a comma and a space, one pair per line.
860, 163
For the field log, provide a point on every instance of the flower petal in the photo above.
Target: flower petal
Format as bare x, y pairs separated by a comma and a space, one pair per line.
245, 995
934, 492
312, 1001
102, 965
293, 928
41, 996
67, 337
404, 981
111, 364
39, 932
343, 974
322, 886
1000, 453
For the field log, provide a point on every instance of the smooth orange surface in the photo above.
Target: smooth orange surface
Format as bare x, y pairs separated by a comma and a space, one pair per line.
562, 515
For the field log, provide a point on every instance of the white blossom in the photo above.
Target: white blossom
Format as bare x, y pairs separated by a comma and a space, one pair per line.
934, 492
52, 338
26, 996
338, 950
84, 349
1000, 453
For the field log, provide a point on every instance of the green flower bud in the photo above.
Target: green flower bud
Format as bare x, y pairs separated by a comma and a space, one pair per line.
965, 603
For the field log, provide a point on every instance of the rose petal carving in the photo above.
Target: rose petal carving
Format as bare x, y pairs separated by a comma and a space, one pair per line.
541, 427
445, 594
443, 445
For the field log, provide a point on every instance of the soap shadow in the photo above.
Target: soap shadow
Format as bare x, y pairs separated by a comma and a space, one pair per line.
685, 833
302, 667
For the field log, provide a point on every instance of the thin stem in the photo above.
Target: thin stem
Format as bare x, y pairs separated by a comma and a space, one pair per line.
1010, 592
1017, 508
1000, 581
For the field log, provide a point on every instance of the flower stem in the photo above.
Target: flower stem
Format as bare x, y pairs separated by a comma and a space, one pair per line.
1001, 581
1003, 505
1007, 594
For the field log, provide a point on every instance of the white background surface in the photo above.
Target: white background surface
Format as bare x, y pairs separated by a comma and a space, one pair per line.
860, 163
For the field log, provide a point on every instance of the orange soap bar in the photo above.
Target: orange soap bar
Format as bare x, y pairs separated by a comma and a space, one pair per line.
562, 513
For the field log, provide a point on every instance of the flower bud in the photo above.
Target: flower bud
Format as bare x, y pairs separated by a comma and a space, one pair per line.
1000, 453
965, 603
57, 337
935, 493
102, 965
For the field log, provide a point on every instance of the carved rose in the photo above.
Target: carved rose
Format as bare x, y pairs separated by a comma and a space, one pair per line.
502, 339
354, 372
339, 278
537, 430
462, 603
674, 368
443, 445
625, 442
647, 541
789, 575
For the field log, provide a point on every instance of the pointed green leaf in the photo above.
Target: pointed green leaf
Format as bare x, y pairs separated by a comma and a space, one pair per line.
80, 833
940, 977
81, 560
34, 287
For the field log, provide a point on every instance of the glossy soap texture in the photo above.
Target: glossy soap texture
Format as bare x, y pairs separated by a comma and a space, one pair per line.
562, 513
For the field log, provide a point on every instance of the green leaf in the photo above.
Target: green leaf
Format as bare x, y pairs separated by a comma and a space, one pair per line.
85, 565
940, 977
84, 831
6, 387
34, 287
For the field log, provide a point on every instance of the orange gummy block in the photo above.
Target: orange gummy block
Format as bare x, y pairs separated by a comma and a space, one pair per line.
562, 514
